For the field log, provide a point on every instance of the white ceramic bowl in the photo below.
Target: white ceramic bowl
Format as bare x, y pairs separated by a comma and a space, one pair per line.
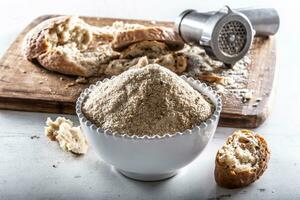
151, 158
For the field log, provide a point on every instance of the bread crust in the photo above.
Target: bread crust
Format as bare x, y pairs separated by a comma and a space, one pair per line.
55, 61
124, 39
227, 177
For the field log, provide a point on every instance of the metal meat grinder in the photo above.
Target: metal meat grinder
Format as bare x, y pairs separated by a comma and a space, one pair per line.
226, 35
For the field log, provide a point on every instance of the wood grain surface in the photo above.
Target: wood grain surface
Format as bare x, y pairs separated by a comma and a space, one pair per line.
29, 87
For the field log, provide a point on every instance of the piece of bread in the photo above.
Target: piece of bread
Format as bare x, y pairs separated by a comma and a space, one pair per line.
70, 138
68, 45
242, 160
175, 62
151, 49
123, 39
118, 26
117, 66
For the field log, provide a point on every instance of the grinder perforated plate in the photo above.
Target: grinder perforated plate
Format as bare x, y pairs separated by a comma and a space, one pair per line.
231, 37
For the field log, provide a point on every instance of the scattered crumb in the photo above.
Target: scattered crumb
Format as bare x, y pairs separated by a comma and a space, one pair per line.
233, 79
51, 91
81, 80
54, 166
70, 85
212, 78
41, 82
255, 105
220, 88
34, 137
248, 95
262, 189
153, 22
258, 99
61, 78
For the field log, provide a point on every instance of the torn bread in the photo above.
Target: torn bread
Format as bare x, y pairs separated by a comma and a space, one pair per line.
118, 26
116, 67
242, 160
151, 49
125, 38
69, 137
68, 45
175, 62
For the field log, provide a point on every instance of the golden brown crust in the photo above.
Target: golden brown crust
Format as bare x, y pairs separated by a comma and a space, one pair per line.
55, 61
227, 177
47, 44
125, 38
35, 42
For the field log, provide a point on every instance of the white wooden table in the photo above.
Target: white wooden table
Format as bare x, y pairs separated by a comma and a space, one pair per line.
32, 168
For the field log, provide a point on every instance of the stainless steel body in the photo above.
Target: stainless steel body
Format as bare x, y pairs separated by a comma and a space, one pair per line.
265, 21
227, 34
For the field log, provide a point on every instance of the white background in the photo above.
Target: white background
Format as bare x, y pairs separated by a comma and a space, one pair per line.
26, 170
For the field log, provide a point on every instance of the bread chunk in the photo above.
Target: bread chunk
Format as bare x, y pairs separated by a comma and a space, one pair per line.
69, 138
242, 160
68, 45
125, 38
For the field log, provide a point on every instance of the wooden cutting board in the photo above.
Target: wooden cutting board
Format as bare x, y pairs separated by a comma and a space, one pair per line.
27, 86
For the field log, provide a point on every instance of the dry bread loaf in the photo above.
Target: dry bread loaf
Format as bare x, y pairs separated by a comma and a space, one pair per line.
123, 39
242, 160
68, 45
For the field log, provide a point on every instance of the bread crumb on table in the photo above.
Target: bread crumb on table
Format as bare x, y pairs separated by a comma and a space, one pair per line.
81, 80
34, 137
70, 138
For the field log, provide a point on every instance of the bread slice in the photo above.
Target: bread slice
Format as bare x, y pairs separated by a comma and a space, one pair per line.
68, 45
242, 160
123, 39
